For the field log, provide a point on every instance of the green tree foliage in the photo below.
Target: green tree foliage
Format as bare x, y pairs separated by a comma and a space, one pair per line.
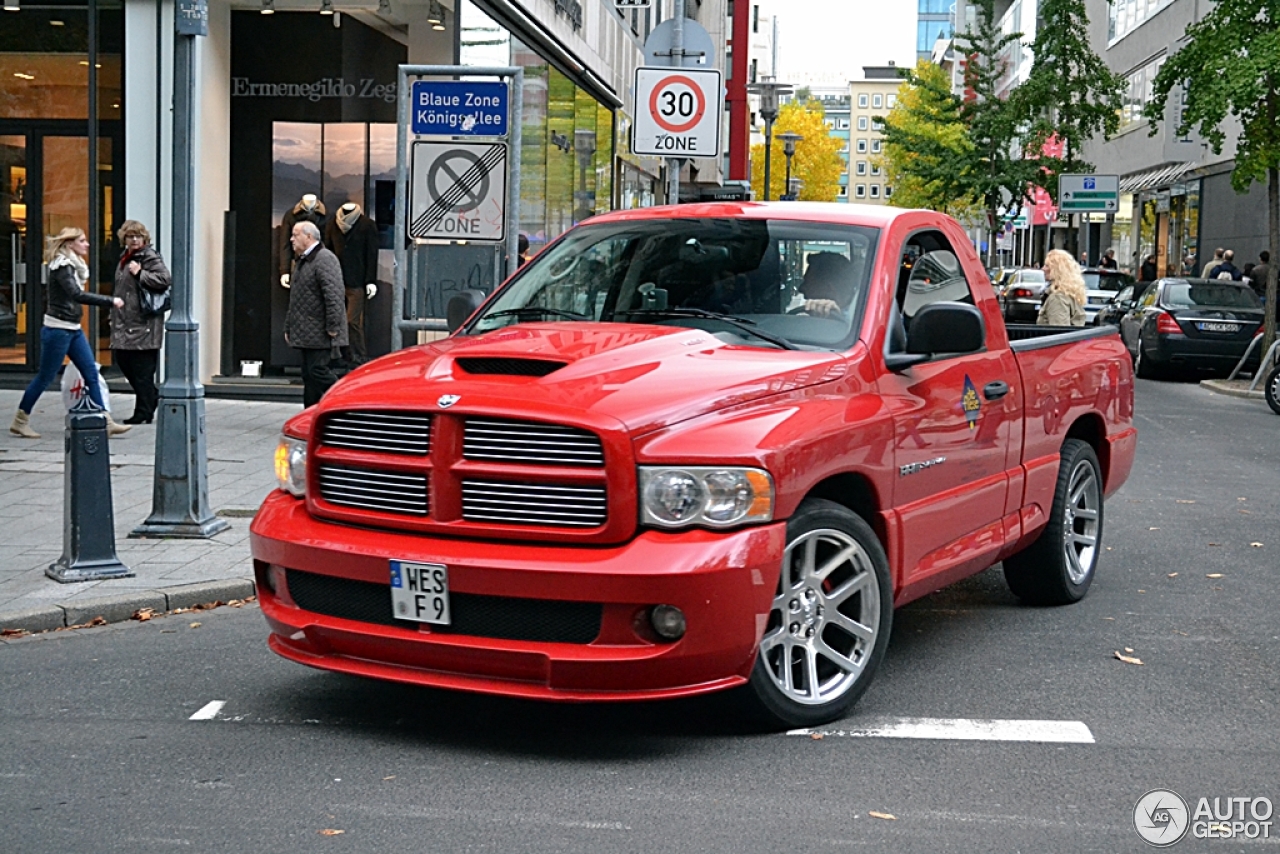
1230, 66
1070, 93
816, 162
928, 155
1003, 174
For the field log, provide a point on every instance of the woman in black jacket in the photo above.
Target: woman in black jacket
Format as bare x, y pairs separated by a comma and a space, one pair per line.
135, 335
61, 334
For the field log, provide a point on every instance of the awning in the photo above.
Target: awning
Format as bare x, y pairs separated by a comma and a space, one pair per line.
1152, 178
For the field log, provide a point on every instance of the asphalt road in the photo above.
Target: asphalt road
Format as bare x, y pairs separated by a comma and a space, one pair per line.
98, 750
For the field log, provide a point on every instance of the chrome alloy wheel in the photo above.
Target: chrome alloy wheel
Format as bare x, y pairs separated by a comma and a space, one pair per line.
1080, 521
825, 619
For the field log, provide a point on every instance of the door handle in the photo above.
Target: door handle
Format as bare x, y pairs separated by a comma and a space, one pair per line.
995, 390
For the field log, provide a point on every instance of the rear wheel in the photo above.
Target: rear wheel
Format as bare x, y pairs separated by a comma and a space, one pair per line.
1058, 567
1142, 366
830, 621
1272, 389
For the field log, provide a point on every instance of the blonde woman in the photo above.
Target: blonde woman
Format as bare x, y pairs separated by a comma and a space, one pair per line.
61, 335
1065, 298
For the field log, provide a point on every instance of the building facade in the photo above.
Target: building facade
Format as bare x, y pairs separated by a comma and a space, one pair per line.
293, 99
934, 22
870, 100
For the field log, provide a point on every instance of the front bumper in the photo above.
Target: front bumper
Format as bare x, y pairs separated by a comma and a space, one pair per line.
723, 582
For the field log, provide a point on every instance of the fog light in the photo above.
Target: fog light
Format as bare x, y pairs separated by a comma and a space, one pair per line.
668, 621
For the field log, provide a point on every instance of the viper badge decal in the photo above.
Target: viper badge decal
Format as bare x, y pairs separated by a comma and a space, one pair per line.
971, 402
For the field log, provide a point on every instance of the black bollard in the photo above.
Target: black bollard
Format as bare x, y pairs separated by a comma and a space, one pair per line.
88, 522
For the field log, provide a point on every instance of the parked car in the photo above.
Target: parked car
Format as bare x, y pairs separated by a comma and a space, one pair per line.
1102, 286
1021, 294
1120, 304
1196, 324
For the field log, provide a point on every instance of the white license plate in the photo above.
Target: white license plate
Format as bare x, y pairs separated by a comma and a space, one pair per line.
420, 592
1218, 327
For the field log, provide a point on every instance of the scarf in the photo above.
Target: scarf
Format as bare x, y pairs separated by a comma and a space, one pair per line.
127, 257
64, 258
346, 219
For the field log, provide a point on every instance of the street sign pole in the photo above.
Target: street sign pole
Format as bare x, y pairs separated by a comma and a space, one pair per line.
180, 498
677, 61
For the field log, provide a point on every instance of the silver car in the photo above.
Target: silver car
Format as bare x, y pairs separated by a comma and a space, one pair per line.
1021, 294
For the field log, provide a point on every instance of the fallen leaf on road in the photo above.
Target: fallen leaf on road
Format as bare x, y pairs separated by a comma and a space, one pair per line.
143, 614
328, 831
1215, 544
1256, 545
1153, 529
1128, 649
884, 815
1108, 618
13, 633
1214, 575
1184, 501
392, 777
1173, 575
183, 610
1127, 659
1245, 512
195, 625
816, 736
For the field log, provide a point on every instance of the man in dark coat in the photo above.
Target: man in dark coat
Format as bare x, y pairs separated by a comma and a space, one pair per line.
317, 318
1260, 272
1227, 266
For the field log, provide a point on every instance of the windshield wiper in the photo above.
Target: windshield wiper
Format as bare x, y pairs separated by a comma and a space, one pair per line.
740, 323
536, 310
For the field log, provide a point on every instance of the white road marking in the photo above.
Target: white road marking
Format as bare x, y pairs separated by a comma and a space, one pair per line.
962, 729
209, 711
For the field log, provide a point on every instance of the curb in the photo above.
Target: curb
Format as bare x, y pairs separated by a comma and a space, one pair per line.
116, 609
1221, 387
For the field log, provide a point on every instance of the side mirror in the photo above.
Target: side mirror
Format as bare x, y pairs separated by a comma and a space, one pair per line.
462, 305
946, 327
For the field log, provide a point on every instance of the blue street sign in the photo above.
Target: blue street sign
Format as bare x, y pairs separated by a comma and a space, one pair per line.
459, 108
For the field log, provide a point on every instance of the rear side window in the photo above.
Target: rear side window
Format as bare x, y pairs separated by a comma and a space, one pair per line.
1187, 295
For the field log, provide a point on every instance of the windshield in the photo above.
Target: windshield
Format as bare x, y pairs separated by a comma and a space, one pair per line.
1187, 295
1096, 281
763, 283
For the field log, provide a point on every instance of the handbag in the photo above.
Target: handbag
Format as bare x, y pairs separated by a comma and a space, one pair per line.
155, 303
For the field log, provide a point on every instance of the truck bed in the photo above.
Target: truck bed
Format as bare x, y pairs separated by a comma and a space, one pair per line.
1028, 336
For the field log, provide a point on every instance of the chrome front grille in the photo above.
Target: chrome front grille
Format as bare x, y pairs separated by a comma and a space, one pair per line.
556, 505
501, 440
390, 432
404, 493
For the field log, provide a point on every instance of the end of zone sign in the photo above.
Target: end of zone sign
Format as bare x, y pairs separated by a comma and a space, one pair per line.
677, 112
458, 191
459, 108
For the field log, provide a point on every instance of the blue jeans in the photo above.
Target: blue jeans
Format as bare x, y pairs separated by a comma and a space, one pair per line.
54, 345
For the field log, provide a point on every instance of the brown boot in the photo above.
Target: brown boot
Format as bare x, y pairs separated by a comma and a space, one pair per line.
21, 426
115, 428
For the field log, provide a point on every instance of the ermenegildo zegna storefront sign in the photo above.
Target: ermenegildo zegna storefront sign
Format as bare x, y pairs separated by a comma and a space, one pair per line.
329, 87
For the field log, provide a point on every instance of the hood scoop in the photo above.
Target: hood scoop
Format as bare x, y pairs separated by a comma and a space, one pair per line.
508, 366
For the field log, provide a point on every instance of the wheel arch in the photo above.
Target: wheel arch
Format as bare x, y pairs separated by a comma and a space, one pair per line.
857, 493
1092, 430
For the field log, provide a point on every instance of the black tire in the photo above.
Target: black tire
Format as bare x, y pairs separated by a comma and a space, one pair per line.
1143, 366
836, 627
1272, 389
1059, 566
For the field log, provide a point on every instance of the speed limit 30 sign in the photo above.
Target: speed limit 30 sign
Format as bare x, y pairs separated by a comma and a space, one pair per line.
677, 112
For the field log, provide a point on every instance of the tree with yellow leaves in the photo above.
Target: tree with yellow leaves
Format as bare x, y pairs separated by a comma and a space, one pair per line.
816, 162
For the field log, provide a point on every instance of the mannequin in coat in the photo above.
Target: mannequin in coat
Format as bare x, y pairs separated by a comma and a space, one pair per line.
353, 237
308, 209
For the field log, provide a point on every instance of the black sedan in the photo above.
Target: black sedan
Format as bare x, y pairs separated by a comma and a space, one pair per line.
1191, 324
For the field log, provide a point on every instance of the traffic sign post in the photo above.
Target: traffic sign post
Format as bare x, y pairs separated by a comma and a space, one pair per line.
1088, 193
459, 183
677, 112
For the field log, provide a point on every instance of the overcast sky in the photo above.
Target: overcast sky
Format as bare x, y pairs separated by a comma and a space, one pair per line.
841, 36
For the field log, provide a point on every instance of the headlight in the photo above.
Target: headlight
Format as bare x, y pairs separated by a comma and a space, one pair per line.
291, 466
704, 495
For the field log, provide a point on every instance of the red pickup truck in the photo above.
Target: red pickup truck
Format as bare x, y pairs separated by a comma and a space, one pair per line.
694, 449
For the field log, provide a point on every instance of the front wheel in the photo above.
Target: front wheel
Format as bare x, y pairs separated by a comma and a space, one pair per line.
1058, 567
830, 621
1272, 389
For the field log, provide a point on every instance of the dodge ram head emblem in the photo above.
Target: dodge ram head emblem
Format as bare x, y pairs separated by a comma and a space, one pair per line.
447, 400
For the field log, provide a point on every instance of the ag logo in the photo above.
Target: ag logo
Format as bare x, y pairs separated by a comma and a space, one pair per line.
1161, 817
447, 400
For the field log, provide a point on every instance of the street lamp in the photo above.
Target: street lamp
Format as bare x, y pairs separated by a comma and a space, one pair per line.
789, 141
768, 90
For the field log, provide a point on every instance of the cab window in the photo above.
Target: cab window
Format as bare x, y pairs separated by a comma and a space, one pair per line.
930, 272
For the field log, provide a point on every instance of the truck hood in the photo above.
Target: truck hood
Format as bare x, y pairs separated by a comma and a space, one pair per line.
643, 376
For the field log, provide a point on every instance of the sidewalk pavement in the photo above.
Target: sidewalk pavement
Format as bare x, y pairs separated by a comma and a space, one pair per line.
169, 573
1235, 388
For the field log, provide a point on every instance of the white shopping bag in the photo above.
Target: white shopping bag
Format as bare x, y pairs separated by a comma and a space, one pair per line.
73, 387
